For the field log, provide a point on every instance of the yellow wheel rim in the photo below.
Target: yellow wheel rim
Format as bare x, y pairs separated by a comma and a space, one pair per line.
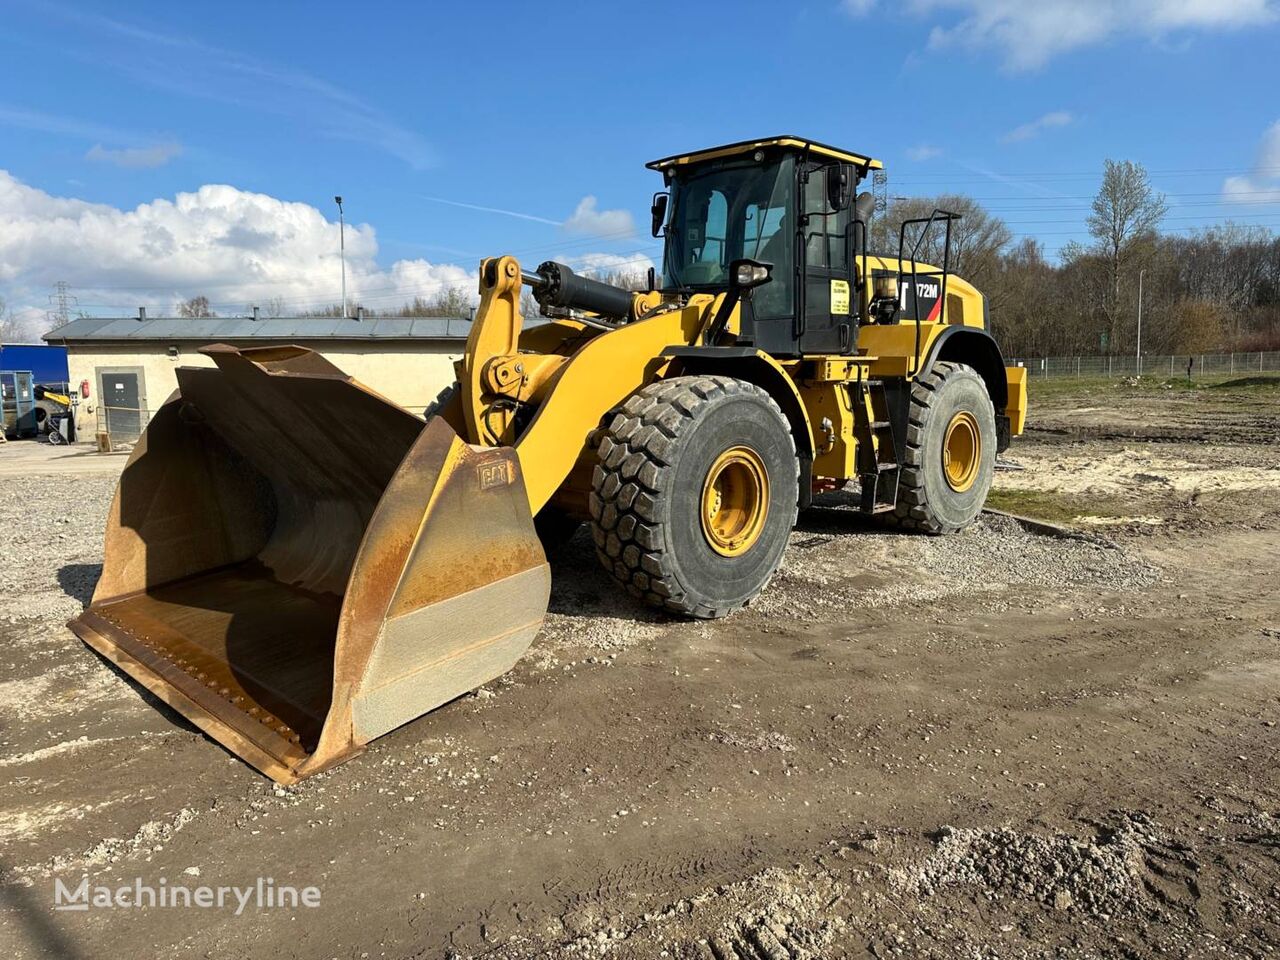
962, 451
735, 501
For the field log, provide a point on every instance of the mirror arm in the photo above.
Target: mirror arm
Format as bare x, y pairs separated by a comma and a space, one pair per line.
721, 319
735, 293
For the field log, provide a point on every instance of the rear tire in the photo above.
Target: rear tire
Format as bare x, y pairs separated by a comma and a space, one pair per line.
950, 453
694, 494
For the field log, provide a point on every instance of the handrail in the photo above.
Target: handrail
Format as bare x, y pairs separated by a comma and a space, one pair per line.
947, 217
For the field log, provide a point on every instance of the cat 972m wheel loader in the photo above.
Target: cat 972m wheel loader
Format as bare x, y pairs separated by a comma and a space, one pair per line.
299, 566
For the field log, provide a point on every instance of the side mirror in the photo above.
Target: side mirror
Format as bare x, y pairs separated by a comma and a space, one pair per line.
839, 186
658, 210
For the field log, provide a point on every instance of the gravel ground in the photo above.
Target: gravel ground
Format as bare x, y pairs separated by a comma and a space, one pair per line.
53, 552
997, 744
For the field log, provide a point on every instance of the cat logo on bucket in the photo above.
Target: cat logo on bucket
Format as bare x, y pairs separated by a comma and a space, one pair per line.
499, 473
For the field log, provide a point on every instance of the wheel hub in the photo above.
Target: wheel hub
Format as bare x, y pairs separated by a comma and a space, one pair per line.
735, 501
961, 451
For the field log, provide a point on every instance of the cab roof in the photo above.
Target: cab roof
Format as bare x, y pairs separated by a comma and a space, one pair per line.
747, 146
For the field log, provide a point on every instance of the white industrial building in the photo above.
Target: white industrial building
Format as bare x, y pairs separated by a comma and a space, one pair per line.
128, 363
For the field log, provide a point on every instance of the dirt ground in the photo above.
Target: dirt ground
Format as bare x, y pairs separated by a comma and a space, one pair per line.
1003, 743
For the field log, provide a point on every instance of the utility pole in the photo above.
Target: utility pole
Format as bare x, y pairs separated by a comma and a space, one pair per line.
1139, 358
342, 251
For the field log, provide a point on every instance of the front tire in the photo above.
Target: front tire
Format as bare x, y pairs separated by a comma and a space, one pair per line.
695, 494
950, 454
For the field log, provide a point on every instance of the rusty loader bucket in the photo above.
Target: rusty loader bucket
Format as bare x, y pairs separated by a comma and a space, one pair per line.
299, 566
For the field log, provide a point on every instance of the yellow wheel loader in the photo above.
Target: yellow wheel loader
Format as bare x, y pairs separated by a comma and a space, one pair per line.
299, 565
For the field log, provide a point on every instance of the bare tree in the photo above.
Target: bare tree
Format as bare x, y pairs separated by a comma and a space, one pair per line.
449, 301
1126, 209
14, 329
195, 307
8, 323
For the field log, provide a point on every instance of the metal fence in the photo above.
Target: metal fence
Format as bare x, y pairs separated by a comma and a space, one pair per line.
1161, 365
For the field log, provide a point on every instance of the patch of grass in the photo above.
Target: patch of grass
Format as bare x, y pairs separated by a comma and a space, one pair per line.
1100, 388
1060, 508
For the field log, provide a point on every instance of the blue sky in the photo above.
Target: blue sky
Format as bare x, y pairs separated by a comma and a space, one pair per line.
544, 110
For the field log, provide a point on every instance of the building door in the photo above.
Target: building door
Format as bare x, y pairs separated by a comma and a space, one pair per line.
121, 402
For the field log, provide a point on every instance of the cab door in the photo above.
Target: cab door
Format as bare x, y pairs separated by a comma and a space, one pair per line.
826, 319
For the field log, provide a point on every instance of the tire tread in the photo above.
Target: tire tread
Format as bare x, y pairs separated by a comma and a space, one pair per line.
631, 479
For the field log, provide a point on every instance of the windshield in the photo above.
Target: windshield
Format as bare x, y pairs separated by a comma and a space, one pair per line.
720, 214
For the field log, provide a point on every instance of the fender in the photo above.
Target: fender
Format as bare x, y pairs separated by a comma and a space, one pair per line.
979, 350
756, 366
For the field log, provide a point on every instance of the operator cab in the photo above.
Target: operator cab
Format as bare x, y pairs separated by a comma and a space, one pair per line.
788, 202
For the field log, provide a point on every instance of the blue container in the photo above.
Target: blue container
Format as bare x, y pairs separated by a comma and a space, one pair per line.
47, 363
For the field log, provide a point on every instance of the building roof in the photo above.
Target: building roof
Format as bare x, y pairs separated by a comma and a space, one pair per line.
747, 146
294, 329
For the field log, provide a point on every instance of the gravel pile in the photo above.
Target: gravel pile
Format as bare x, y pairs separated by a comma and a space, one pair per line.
994, 554
997, 551
1100, 877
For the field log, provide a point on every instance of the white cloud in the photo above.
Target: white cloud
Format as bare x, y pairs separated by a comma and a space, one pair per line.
1058, 118
589, 221
235, 247
923, 152
135, 158
1029, 34
1263, 183
601, 265
858, 8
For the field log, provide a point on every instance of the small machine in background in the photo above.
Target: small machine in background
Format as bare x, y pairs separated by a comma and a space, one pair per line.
55, 413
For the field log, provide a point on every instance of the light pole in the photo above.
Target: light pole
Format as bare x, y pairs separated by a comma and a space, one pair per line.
342, 252
1139, 357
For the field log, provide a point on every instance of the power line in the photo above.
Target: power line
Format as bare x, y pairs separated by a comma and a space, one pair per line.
1266, 171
